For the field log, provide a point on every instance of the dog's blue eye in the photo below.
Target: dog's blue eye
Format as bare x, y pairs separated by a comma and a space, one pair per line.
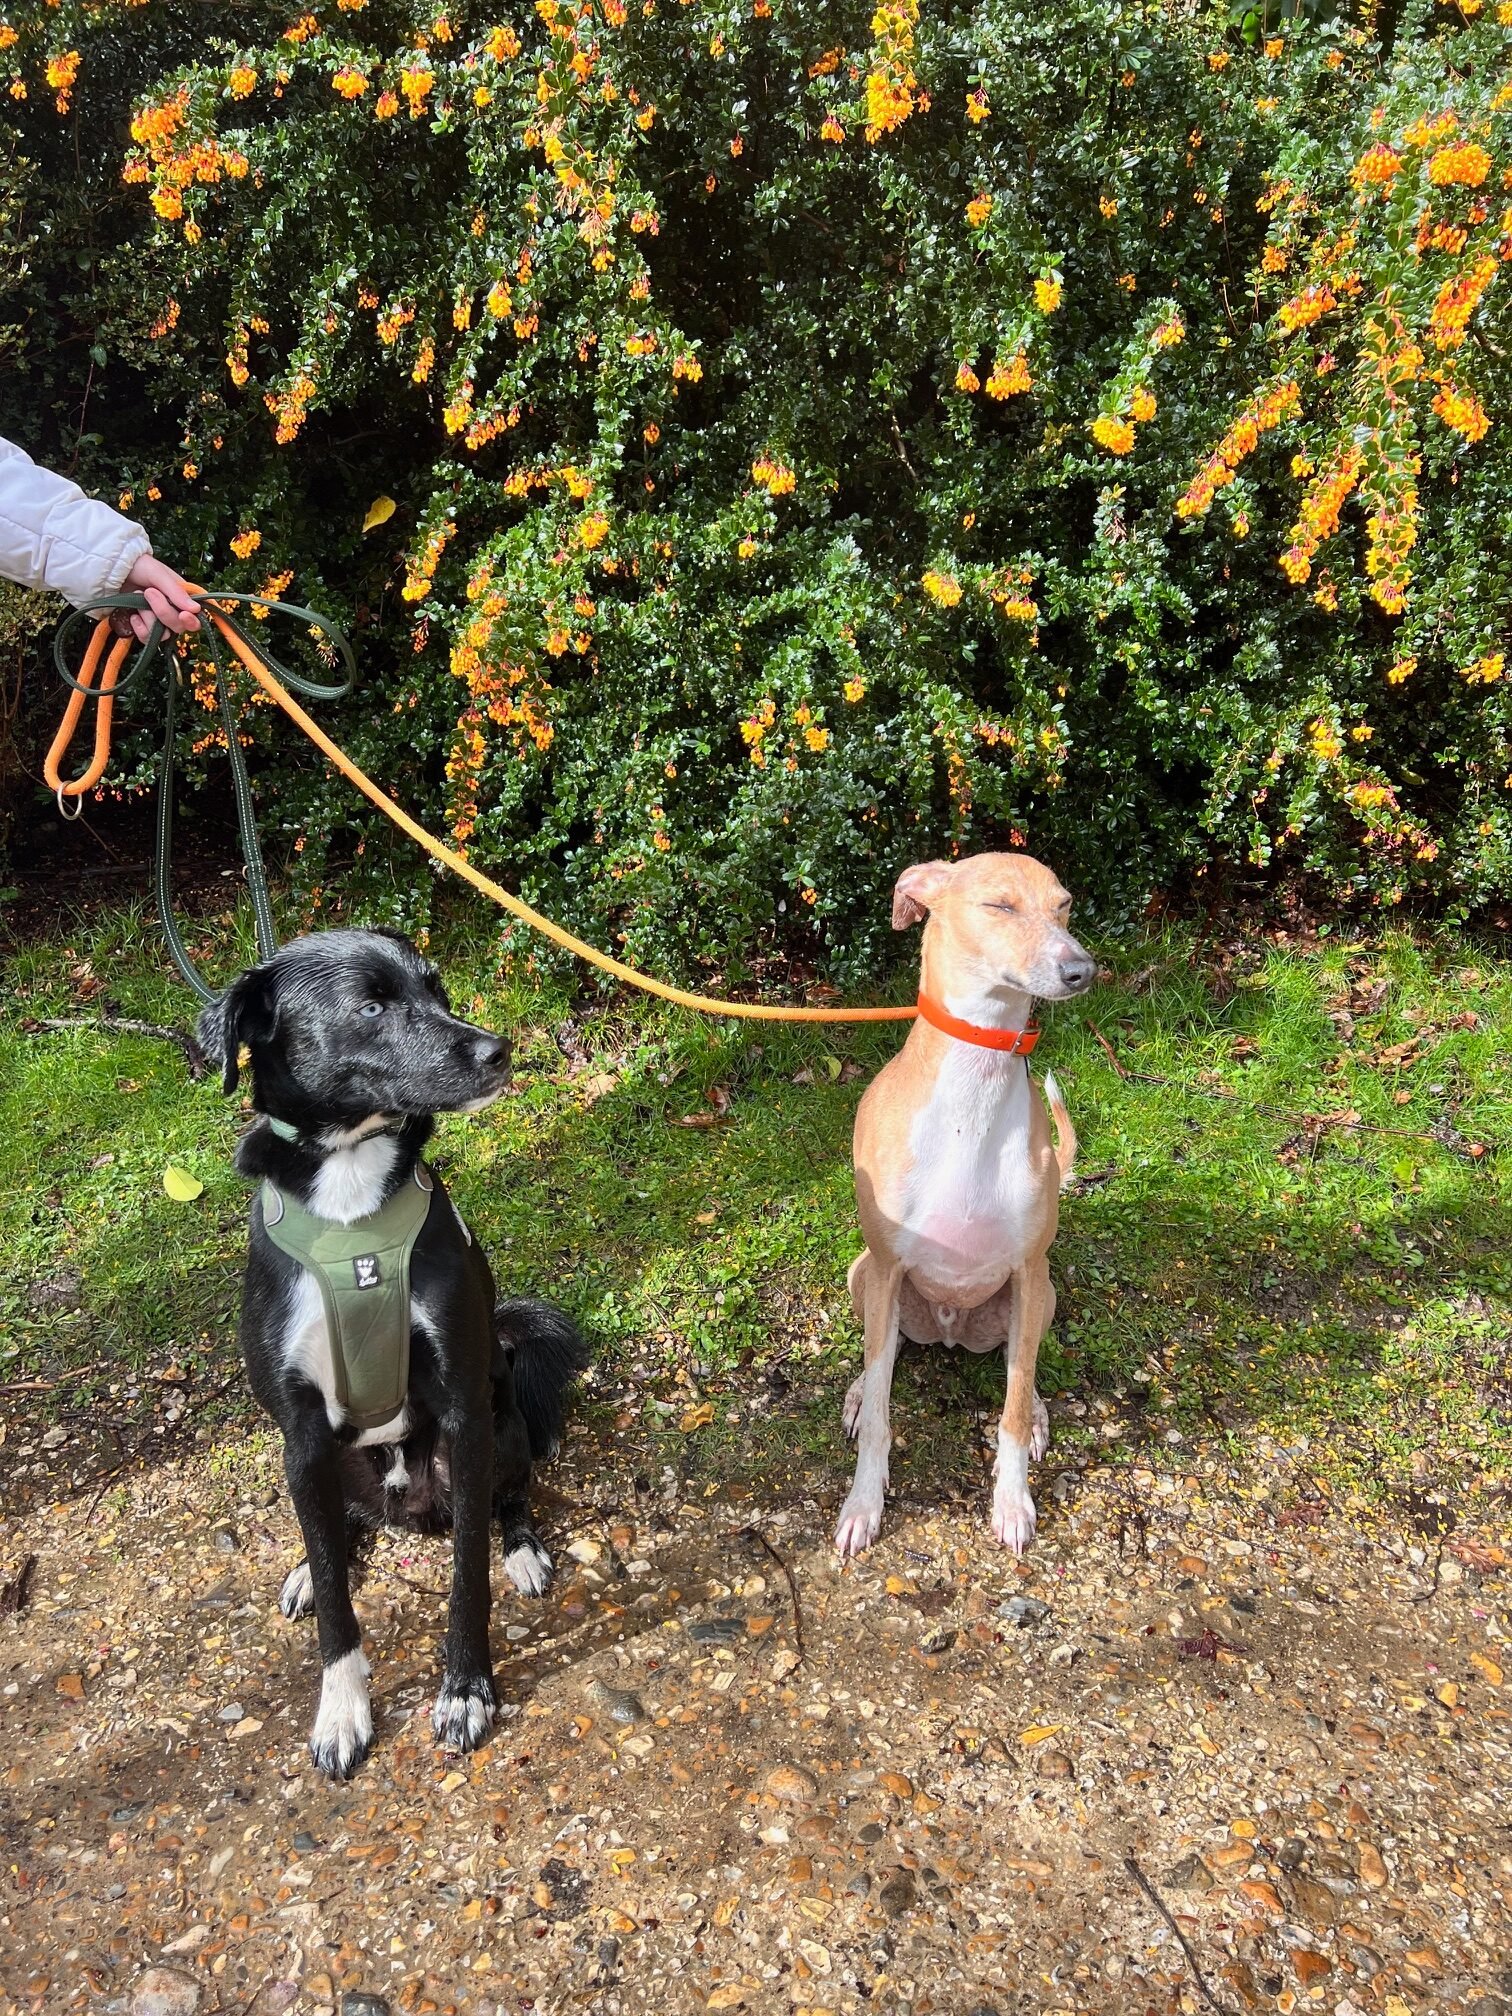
370, 1009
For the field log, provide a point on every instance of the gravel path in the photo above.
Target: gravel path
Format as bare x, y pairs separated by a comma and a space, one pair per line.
1215, 1746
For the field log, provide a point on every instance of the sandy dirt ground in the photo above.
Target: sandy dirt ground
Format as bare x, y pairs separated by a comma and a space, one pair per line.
1218, 1744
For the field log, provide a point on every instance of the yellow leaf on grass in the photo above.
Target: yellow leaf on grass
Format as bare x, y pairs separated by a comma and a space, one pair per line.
180, 1185
697, 1417
379, 512
1039, 1731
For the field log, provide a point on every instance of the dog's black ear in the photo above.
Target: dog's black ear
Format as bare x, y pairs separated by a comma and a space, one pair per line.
246, 1013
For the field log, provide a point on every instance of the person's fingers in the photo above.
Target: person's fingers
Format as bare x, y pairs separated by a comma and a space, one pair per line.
140, 626
172, 618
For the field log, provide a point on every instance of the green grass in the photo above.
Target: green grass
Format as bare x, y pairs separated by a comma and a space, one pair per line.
1224, 1271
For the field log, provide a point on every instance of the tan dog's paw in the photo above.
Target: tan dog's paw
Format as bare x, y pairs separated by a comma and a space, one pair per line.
1013, 1519
1013, 1515
850, 1411
860, 1523
1039, 1433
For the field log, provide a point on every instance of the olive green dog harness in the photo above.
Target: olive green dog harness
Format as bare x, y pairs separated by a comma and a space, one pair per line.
363, 1270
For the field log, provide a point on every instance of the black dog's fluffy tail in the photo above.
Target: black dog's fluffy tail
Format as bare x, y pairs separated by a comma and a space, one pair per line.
547, 1351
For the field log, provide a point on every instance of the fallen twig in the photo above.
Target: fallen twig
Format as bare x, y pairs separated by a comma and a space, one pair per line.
48, 1385
13, 1594
755, 1533
1181, 1939
127, 1025
1311, 1121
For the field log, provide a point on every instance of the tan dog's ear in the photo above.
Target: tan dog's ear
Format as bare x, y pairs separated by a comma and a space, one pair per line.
916, 891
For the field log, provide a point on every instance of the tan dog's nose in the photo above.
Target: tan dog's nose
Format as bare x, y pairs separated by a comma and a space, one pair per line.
1077, 972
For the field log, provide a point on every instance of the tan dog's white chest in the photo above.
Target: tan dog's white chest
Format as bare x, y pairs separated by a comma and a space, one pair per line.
973, 1199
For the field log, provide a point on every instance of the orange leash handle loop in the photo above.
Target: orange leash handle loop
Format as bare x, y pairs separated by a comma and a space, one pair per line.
75, 787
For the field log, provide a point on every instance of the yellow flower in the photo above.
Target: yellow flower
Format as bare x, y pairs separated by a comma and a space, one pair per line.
941, 588
1219, 60
854, 690
1142, 404
242, 81
1047, 294
593, 530
746, 548
1113, 433
977, 108
832, 129
500, 300
966, 380
1402, 669
1005, 379
387, 105
416, 84
978, 210
1485, 671
246, 543
348, 83
1108, 205
816, 738
1324, 742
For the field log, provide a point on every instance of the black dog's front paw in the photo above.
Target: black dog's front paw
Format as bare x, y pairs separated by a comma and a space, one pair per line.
464, 1711
343, 1732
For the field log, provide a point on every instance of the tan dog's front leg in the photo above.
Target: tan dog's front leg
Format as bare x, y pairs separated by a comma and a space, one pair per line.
861, 1514
1013, 1513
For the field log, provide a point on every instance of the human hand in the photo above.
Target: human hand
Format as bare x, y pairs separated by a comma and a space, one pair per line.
169, 599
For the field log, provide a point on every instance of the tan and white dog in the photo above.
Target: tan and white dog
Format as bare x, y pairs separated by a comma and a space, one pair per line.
957, 1184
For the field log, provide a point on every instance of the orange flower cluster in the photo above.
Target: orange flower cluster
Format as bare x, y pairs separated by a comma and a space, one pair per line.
1008, 377
290, 405
62, 71
420, 577
1462, 411
753, 730
1240, 441
1319, 516
892, 90
1486, 670
1305, 308
1466, 165
772, 476
245, 544
156, 129
1457, 301
1113, 432
941, 588
1378, 167
348, 83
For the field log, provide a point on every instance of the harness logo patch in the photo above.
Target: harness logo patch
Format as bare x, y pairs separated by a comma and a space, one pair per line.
366, 1271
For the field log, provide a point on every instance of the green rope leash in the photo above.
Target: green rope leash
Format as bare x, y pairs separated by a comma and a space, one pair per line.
257, 878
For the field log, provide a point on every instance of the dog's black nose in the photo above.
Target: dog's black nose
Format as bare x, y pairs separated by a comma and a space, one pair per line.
1076, 974
492, 1053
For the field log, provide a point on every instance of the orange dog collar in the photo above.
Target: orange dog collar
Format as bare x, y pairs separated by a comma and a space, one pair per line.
1017, 1042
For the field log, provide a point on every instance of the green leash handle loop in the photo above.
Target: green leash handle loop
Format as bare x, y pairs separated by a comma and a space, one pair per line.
257, 878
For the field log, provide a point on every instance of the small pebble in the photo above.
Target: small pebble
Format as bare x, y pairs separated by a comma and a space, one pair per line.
717, 1631
620, 1704
790, 1782
898, 1894
357, 2002
1191, 1873
1024, 1611
163, 1991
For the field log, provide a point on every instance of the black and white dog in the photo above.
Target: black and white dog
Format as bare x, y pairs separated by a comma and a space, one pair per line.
353, 1049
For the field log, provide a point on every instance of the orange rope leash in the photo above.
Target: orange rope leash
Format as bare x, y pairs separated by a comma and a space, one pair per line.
248, 655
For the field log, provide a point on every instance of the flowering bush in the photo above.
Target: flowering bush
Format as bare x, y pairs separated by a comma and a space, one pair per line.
759, 444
